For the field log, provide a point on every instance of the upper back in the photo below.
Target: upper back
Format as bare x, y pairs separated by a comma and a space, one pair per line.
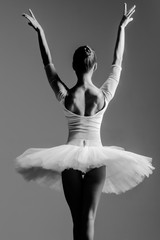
84, 102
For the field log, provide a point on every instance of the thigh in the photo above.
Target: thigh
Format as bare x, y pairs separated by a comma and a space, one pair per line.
92, 189
72, 185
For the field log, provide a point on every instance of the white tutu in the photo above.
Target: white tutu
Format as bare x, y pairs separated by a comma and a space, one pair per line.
124, 170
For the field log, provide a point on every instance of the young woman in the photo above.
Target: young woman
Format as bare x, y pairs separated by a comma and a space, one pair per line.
83, 167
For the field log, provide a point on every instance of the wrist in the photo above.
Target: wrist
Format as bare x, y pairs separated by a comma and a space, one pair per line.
121, 26
39, 29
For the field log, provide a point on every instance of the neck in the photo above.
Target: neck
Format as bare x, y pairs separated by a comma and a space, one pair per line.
84, 79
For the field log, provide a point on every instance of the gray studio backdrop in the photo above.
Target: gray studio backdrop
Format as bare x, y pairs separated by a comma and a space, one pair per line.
30, 116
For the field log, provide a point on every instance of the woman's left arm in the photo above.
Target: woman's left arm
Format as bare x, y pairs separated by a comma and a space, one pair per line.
120, 43
110, 85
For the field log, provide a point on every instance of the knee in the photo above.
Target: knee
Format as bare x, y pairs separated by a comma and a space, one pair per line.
88, 219
91, 216
87, 228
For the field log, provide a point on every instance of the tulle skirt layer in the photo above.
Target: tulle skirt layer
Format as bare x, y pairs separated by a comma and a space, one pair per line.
124, 169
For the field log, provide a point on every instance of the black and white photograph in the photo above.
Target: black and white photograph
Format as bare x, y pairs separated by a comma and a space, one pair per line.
79, 120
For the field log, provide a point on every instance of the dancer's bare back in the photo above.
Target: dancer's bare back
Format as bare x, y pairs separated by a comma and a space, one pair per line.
84, 102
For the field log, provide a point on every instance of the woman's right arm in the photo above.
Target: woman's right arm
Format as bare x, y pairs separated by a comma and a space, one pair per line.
57, 85
110, 85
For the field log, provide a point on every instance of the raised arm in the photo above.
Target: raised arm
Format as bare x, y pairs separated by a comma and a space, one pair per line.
57, 85
119, 48
110, 85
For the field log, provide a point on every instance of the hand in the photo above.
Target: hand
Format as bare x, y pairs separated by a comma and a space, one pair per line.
32, 20
127, 15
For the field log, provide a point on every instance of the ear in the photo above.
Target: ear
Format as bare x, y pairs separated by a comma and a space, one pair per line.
95, 67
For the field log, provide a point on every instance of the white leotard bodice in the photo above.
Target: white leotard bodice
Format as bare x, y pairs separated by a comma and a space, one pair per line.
84, 130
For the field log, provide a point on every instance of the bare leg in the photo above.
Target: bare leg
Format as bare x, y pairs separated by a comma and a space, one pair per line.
92, 187
82, 196
72, 185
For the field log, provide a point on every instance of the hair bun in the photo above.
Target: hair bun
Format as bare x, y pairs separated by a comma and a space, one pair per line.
88, 51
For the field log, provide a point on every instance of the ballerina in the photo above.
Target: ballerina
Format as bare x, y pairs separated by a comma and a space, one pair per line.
83, 168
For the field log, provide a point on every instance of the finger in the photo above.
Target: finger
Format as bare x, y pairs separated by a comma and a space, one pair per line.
131, 14
125, 8
130, 19
26, 16
133, 8
32, 13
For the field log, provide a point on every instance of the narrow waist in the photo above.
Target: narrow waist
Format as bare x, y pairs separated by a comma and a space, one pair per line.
80, 138
84, 142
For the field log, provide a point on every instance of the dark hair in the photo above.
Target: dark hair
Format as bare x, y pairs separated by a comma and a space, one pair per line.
83, 59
